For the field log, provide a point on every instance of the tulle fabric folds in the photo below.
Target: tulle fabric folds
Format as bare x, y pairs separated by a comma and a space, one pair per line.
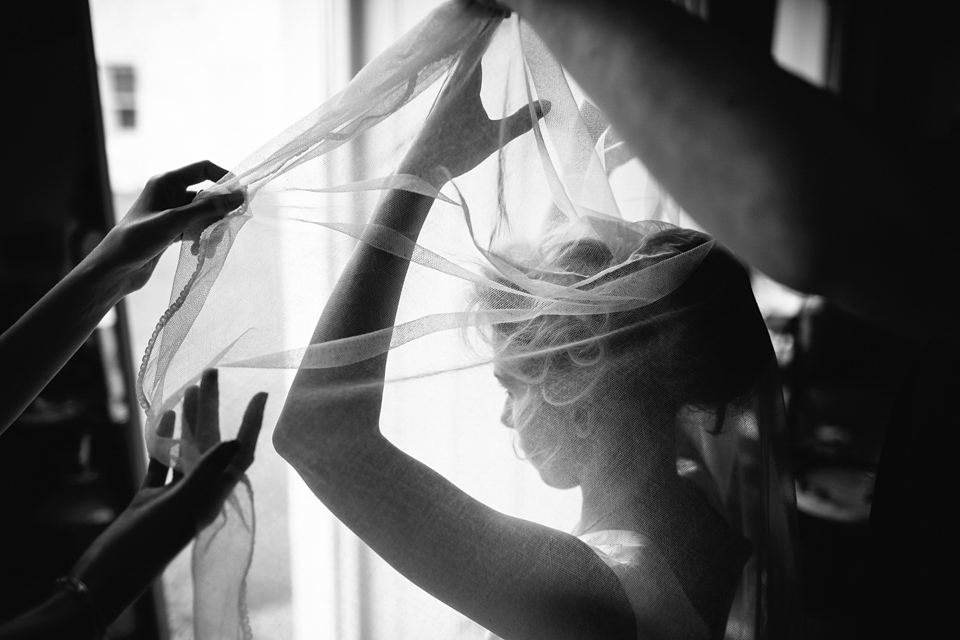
559, 261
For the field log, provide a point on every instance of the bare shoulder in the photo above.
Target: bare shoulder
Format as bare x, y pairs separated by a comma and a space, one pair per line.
660, 605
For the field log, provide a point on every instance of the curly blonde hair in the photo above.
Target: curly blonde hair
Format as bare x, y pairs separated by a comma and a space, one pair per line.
703, 345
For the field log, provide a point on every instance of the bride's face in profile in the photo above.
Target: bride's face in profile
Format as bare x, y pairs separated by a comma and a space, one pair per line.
546, 433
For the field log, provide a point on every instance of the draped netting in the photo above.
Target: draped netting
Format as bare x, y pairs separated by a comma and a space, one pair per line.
633, 361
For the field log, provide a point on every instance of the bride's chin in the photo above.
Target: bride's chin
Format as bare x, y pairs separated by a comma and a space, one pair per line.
556, 478
555, 471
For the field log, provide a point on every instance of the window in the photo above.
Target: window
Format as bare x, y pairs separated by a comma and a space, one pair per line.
311, 577
123, 83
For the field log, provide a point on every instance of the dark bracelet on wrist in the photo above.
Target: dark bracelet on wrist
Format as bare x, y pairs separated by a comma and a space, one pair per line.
79, 591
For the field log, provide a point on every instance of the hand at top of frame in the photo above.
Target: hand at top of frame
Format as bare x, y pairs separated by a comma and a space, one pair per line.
458, 135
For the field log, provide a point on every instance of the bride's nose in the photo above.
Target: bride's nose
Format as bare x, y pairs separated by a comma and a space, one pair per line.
506, 416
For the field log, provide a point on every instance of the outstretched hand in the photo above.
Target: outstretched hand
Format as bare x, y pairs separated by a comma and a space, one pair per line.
458, 135
164, 211
163, 517
201, 433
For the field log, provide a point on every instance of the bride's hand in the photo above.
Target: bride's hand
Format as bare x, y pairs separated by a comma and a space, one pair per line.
458, 135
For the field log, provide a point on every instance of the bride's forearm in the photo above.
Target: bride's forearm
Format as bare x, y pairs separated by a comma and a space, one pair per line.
345, 401
516, 578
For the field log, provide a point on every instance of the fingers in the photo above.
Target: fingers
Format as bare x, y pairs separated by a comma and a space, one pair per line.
478, 47
201, 411
207, 426
469, 71
191, 405
169, 191
520, 122
156, 470
219, 470
167, 421
250, 431
194, 173
222, 463
208, 209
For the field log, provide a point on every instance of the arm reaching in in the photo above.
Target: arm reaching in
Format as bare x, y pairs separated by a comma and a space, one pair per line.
773, 167
48, 335
518, 579
162, 518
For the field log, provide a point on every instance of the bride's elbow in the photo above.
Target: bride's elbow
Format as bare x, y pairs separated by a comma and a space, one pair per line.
295, 434
284, 441
309, 434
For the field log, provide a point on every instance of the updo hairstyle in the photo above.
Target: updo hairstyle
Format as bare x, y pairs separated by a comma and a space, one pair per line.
702, 345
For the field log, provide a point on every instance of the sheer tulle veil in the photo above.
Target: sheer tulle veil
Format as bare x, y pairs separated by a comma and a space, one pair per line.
556, 265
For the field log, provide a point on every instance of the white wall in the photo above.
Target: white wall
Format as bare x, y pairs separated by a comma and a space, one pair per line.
215, 78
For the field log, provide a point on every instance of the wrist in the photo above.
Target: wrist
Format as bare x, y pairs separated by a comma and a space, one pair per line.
435, 177
109, 280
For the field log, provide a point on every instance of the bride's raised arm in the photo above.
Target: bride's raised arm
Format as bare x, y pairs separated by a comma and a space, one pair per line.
516, 578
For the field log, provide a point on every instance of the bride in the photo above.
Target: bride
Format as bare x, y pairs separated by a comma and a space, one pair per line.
641, 405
